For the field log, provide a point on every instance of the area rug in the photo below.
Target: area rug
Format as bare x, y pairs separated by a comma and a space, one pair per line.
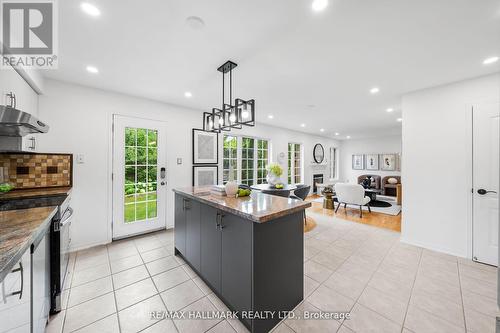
310, 225
383, 204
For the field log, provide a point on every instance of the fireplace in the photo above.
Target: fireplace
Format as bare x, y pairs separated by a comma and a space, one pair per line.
317, 179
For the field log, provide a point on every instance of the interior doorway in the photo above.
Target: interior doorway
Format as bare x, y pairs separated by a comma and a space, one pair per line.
485, 180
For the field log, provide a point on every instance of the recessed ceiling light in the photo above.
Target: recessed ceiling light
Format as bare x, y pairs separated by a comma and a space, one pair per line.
302, 125
92, 69
90, 9
322, 130
389, 110
399, 119
337, 133
270, 116
188, 94
490, 60
348, 137
374, 90
319, 5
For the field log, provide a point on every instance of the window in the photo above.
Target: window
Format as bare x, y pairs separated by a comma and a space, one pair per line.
333, 162
247, 161
248, 158
262, 161
230, 159
140, 174
294, 163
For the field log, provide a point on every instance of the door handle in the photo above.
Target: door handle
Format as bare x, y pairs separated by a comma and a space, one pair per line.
482, 191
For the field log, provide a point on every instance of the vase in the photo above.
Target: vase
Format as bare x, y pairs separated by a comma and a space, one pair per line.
272, 179
231, 188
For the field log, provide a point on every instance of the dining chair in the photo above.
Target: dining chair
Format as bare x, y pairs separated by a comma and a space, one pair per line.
301, 193
279, 193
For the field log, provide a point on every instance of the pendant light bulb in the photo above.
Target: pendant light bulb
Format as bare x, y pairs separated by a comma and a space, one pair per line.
245, 114
221, 121
232, 118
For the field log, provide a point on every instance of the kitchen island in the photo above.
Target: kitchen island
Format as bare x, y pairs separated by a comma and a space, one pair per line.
249, 250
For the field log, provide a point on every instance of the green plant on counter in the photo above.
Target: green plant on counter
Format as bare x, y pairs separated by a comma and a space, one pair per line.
275, 169
6, 187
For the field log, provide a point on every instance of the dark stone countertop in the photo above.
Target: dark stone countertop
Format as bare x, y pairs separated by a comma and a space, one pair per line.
35, 193
18, 230
258, 207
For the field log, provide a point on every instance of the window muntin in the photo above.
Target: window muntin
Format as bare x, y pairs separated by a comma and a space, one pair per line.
140, 190
294, 163
248, 157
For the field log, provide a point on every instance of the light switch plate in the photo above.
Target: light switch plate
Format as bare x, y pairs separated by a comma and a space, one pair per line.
179, 161
80, 159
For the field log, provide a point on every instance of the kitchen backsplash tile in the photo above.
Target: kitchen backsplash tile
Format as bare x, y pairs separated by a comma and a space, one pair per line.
26, 171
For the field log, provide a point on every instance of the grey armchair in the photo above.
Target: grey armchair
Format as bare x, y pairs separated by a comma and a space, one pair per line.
375, 180
390, 189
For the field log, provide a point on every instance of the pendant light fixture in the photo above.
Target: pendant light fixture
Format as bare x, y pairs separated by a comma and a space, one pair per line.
231, 114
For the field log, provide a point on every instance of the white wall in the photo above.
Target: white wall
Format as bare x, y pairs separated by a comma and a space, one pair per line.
80, 123
379, 145
436, 169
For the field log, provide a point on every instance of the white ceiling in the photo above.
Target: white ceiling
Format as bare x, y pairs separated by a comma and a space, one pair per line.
299, 65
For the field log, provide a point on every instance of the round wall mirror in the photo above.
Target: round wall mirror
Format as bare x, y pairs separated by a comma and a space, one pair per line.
318, 153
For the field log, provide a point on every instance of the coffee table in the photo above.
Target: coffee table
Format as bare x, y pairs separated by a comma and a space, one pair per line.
372, 193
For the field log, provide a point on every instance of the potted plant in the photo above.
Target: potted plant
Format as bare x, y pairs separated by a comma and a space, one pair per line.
274, 172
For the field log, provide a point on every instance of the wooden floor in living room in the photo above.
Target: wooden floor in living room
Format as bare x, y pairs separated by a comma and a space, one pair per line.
352, 214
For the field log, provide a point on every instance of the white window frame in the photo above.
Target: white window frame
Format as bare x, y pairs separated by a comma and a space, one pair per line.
333, 162
301, 166
239, 155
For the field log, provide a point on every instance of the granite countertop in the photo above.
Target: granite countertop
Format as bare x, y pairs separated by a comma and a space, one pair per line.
258, 207
18, 230
35, 192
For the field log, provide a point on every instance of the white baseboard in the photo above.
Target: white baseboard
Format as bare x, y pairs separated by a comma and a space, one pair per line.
433, 248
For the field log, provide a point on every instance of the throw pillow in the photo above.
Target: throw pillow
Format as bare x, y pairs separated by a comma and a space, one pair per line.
392, 181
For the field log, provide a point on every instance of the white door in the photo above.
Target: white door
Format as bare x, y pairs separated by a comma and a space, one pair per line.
139, 176
485, 183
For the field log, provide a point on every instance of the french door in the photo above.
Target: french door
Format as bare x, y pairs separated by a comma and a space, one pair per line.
485, 182
139, 176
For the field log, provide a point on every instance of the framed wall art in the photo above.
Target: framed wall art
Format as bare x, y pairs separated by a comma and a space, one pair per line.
372, 162
205, 147
388, 162
205, 175
358, 162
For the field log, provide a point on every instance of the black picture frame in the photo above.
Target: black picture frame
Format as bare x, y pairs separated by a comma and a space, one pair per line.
216, 166
317, 146
194, 160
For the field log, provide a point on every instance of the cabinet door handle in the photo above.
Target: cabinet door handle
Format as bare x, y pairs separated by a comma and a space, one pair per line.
221, 226
185, 204
12, 98
19, 292
217, 221
33, 143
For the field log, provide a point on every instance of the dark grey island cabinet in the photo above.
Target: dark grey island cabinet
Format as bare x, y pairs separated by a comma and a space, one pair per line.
249, 251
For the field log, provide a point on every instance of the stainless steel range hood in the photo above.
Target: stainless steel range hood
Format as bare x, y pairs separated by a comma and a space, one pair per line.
16, 123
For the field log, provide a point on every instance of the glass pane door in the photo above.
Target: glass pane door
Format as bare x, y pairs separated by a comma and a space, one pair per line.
141, 153
139, 188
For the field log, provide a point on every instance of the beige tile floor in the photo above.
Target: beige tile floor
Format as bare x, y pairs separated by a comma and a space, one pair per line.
386, 285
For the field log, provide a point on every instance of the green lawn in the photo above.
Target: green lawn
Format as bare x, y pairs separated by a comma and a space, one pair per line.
140, 211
